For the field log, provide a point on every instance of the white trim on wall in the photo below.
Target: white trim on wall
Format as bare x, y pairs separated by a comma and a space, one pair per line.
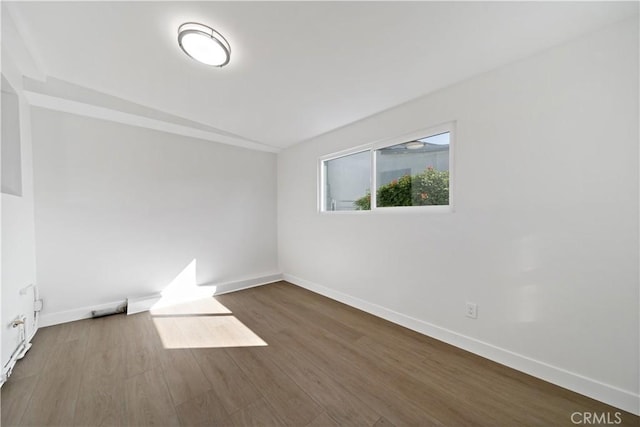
66, 316
138, 305
238, 285
609, 394
82, 109
146, 303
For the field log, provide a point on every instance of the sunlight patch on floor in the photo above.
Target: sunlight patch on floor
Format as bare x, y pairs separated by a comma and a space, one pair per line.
205, 332
188, 316
206, 305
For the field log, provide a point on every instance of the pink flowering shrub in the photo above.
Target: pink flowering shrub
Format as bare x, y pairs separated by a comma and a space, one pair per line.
430, 187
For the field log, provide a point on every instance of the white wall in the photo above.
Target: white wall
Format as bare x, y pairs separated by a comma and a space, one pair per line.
18, 242
546, 245
121, 211
11, 181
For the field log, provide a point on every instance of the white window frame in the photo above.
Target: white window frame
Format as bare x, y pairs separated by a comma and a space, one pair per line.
322, 177
449, 127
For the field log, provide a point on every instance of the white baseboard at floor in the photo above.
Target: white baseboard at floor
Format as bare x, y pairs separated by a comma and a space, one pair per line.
146, 303
238, 285
137, 305
56, 318
606, 393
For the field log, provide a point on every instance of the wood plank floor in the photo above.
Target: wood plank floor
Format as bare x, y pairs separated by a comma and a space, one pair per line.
272, 355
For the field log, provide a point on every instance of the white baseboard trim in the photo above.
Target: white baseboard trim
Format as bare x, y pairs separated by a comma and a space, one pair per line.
606, 393
146, 303
137, 305
238, 285
50, 319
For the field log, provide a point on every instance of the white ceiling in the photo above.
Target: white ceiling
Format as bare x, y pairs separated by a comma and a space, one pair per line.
298, 69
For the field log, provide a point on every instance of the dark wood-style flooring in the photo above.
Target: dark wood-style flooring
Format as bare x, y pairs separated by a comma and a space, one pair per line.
271, 355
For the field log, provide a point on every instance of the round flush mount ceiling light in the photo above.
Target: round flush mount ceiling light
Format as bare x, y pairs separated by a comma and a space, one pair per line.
204, 44
414, 145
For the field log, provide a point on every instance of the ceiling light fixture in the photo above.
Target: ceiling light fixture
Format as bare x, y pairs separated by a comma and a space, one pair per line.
204, 44
414, 145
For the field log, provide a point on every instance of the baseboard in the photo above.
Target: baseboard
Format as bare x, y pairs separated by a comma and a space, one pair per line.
606, 393
238, 285
59, 317
138, 305
146, 303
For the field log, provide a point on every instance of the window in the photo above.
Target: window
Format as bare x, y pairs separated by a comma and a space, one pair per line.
406, 172
345, 179
414, 173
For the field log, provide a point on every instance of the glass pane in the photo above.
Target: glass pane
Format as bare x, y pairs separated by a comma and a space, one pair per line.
414, 173
347, 183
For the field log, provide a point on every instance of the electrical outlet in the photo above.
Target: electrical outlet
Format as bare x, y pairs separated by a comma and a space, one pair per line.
472, 310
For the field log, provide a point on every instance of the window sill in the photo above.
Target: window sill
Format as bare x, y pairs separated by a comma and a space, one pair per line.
443, 209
